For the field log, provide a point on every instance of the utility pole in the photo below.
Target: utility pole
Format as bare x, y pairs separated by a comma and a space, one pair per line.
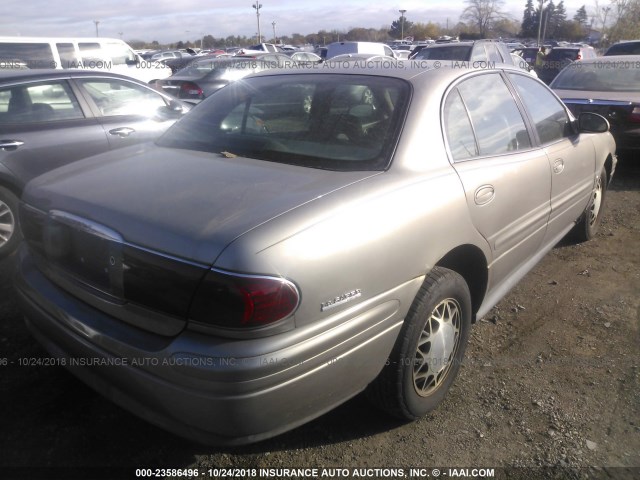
604, 24
275, 39
96, 22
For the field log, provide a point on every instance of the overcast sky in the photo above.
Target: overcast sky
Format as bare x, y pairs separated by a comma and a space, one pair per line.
173, 20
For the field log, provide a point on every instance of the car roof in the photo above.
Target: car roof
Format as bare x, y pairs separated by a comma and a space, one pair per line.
450, 44
410, 70
44, 74
572, 47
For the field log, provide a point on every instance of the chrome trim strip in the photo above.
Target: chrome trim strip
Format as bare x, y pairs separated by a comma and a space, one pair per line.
85, 225
591, 101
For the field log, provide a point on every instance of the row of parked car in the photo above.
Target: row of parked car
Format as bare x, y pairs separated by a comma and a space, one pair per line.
299, 237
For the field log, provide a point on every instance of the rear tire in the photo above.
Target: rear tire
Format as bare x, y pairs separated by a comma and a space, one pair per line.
429, 350
10, 234
589, 223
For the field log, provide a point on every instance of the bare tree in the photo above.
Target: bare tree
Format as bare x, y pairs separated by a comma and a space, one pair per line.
483, 14
625, 20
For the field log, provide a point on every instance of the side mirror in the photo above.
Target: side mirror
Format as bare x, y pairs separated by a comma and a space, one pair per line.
131, 61
173, 111
592, 123
176, 106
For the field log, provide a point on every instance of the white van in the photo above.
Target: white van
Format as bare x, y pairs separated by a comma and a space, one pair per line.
341, 48
110, 54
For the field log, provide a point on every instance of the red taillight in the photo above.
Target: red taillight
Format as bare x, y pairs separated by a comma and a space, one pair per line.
242, 301
190, 89
579, 57
634, 116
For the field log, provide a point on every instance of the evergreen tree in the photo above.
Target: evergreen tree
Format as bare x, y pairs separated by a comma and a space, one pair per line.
581, 17
557, 19
547, 20
529, 27
398, 28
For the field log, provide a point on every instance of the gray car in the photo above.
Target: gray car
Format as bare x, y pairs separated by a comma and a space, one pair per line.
292, 242
51, 118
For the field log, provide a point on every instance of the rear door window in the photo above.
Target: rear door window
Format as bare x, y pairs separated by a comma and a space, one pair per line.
496, 119
460, 137
115, 97
39, 102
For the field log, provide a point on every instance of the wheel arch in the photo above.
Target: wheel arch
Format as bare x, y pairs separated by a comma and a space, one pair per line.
608, 166
470, 263
8, 181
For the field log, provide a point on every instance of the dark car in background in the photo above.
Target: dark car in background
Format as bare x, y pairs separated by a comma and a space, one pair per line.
609, 86
206, 75
629, 47
177, 64
560, 57
49, 118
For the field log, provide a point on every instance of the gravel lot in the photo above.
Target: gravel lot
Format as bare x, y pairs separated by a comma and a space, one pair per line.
551, 379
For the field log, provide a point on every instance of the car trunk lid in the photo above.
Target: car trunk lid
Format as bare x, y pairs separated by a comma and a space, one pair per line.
141, 226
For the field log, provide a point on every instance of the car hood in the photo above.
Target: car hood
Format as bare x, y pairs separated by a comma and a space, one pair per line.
184, 203
595, 95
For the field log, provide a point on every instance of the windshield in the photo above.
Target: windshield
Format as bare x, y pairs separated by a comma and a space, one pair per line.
600, 76
336, 122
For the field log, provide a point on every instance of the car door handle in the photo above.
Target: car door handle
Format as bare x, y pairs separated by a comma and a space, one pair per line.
484, 194
10, 144
558, 166
122, 131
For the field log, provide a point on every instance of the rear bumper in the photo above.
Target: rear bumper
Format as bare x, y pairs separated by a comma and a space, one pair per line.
216, 391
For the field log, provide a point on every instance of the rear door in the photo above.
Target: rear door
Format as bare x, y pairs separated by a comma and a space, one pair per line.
44, 125
130, 113
506, 180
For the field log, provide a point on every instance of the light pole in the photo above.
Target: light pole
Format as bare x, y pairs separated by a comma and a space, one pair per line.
258, 6
604, 23
540, 21
275, 39
402, 12
96, 22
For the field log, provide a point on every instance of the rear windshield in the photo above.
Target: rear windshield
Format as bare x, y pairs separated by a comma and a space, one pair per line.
600, 76
457, 52
334, 122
